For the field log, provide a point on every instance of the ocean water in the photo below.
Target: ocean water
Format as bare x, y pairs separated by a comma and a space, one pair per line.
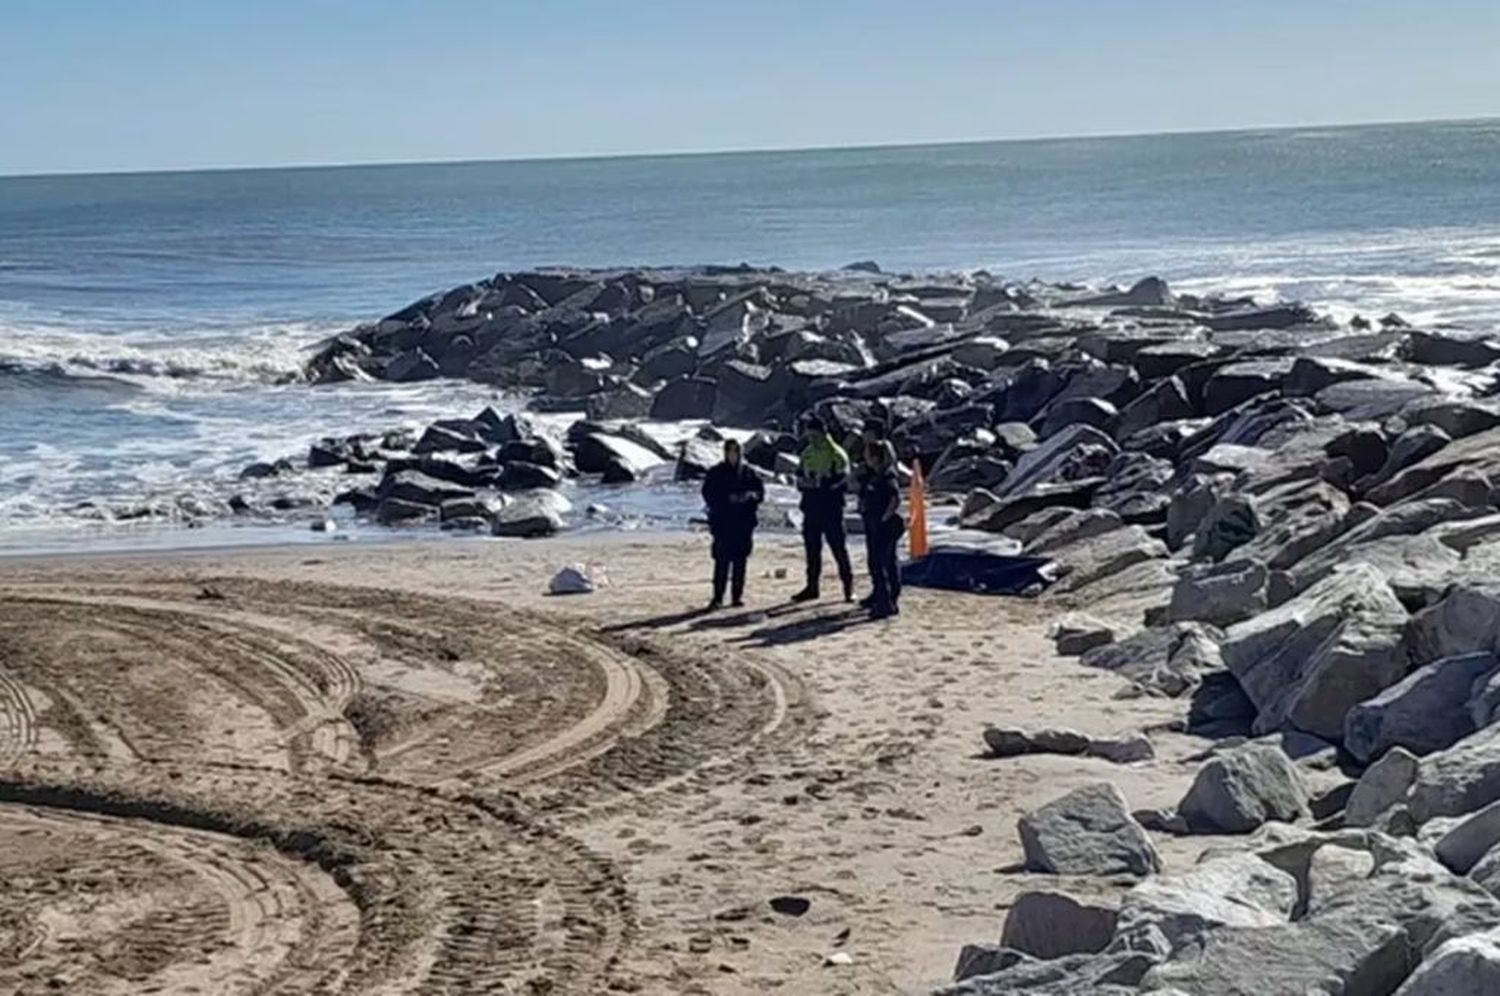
149, 322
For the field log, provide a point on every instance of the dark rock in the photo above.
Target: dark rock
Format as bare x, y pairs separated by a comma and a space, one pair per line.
790, 905
1371, 400
1451, 349
1237, 383
411, 366
685, 398
521, 476
1277, 317
1076, 634
1078, 411
392, 511
260, 471
1383, 785
1166, 359
746, 393
1219, 700
467, 508
1424, 712
1219, 595
985, 959
444, 439
328, 453
1309, 374
1228, 525
418, 488
1051, 925
623, 401
597, 451
968, 473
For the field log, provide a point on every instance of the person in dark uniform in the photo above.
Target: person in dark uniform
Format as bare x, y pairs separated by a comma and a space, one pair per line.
733, 493
871, 434
880, 509
823, 480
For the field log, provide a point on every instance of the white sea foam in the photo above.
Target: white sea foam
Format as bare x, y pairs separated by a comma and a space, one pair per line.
269, 353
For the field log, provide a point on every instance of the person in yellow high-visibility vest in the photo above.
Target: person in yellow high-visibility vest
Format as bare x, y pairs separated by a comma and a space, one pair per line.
823, 480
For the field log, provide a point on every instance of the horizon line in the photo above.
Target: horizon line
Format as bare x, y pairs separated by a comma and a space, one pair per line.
740, 151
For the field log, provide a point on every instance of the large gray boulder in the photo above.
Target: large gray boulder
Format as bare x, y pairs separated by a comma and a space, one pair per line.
1103, 974
531, 514
1239, 382
1190, 502
1464, 966
1364, 940
1382, 785
1162, 660
1096, 557
1297, 518
1228, 525
1307, 662
986, 959
1242, 788
418, 488
1219, 594
1466, 620
598, 451
1487, 872
1476, 454
1059, 458
1410, 447
1089, 831
685, 398
1458, 779
1166, 402
1070, 526
1467, 842
1237, 890
1425, 711
1419, 568
1051, 924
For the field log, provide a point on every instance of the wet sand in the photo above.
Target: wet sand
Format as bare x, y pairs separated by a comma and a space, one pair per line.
403, 768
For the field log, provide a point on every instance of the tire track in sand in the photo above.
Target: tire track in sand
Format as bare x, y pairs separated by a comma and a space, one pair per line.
18, 724
454, 894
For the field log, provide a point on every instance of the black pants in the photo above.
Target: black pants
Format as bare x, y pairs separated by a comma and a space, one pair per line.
731, 553
882, 545
822, 526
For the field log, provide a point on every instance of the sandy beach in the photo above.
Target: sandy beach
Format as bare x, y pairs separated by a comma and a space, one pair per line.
403, 768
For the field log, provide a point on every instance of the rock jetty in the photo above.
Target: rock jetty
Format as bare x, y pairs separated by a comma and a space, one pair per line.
1289, 524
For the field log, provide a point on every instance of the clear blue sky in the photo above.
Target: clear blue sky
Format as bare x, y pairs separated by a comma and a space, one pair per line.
156, 84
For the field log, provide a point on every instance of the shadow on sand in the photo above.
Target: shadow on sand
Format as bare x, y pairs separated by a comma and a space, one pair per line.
795, 630
804, 628
659, 622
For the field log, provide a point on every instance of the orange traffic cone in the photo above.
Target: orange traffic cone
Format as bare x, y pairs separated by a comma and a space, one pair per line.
917, 536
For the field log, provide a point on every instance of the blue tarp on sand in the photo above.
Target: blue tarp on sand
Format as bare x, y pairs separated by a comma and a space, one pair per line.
974, 569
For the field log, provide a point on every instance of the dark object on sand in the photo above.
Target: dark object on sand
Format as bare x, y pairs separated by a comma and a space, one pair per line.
791, 905
956, 568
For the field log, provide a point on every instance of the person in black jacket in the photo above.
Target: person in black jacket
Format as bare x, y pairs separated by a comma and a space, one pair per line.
880, 509
733, 493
